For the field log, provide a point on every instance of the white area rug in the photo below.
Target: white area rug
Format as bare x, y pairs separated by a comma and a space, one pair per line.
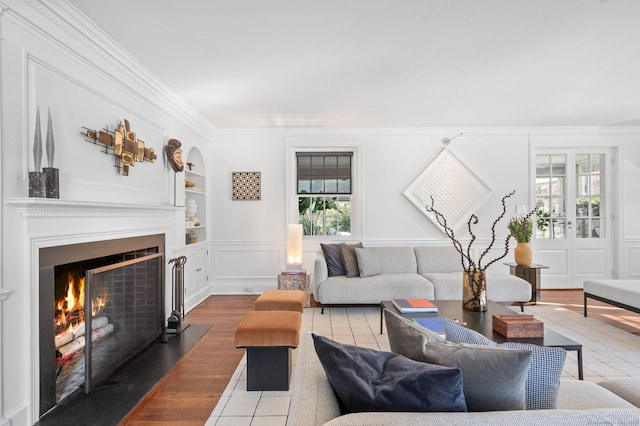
607, 352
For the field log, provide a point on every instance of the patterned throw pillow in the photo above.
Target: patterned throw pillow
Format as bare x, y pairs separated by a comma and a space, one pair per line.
543, 379
457, 333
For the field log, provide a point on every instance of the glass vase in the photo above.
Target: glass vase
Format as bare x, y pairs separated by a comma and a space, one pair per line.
474, 295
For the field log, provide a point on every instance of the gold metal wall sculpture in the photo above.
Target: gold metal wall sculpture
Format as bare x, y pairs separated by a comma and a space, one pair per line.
123, 144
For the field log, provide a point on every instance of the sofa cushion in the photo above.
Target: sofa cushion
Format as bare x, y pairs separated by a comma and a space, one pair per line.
493, 378
333, 256
627, 388
397, 260
543, 378
368, 380
437, 259
350, 260
373, 289
368, 262
602, 416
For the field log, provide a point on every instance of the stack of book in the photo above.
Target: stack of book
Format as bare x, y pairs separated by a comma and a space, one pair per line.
411, 306
294, 271
435, 324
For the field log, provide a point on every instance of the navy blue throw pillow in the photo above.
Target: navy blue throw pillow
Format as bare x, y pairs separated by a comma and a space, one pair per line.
333, 256
368, 380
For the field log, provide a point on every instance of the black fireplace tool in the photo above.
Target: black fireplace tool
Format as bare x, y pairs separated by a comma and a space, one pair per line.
174, 322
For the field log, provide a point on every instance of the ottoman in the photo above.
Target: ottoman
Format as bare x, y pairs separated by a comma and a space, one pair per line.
269, 337
281, 300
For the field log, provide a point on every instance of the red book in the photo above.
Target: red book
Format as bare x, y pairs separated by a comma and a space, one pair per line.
408, 306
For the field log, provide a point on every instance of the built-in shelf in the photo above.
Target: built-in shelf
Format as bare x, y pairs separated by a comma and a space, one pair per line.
191, 172
191, 191
196, 197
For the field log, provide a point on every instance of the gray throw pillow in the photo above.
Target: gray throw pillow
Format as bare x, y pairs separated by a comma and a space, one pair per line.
543, 379
350, 260
407, 337
366, 380
493, 378
333, 256
368, 262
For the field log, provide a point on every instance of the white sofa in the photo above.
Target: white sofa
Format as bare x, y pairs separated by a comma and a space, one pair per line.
411, 272
579, 403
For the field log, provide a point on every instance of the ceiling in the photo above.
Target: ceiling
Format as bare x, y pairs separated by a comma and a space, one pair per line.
388, 63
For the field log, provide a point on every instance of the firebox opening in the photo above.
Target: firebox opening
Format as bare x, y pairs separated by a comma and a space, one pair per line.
106, 310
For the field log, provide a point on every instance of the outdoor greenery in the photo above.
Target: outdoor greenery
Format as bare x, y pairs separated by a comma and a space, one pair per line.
542, 220
324, 215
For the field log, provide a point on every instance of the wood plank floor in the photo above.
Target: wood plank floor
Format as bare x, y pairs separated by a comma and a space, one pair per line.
188, 394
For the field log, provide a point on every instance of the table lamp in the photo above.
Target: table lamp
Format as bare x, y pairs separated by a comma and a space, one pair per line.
294, 248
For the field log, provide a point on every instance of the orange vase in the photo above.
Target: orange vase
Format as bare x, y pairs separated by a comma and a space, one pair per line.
523, 254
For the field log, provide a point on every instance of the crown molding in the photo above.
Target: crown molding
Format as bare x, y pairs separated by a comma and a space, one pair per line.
72, 22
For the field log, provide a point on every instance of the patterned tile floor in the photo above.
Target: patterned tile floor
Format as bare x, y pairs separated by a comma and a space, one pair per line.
607, 352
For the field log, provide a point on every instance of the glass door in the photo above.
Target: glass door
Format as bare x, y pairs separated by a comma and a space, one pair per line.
573, 216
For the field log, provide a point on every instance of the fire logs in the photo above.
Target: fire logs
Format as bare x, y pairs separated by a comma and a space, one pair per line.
70, 342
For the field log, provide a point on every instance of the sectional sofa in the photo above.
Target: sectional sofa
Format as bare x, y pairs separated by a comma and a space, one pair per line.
579, 402
386, 273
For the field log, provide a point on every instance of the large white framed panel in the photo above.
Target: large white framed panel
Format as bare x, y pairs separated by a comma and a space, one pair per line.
556, 260
634, 261
247, 263
456, 190
591, 262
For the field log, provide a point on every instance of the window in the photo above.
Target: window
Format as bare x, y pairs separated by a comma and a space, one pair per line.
590, 196
551, 177
324, 188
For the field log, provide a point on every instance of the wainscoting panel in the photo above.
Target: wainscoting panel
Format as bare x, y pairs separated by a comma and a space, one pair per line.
247, 263
633, 256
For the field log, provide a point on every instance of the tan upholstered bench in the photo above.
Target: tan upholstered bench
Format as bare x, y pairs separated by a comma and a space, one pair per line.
269, 337
281, 300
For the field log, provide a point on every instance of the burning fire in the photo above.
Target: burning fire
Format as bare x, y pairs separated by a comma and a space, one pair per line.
70, 309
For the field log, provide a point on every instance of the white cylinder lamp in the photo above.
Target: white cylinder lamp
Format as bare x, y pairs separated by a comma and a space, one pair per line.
294, 247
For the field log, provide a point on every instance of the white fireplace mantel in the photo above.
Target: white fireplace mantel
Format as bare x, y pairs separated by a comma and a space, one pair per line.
57, 207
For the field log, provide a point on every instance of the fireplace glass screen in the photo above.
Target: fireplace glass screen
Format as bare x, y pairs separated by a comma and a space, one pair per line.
124, 300
101, 303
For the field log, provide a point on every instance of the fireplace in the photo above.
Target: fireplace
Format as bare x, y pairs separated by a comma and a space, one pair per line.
101, 303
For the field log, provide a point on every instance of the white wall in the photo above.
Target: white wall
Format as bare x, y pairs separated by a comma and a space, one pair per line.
51, 58
389, 161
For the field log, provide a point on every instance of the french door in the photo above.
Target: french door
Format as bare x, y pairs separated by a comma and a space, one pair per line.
573, 232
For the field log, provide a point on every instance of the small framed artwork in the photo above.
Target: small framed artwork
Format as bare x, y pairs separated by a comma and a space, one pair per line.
245, 186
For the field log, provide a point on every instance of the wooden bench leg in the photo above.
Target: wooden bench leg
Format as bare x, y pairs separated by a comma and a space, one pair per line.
268, 368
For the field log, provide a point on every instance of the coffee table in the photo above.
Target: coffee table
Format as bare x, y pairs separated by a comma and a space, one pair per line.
482, 322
